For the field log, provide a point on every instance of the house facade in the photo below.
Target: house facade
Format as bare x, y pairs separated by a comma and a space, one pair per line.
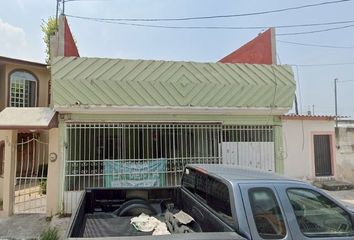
309, 147
139, 122
345, 150
25, 91
113, 123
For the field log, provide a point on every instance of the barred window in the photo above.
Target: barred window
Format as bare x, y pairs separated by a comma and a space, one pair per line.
23, 89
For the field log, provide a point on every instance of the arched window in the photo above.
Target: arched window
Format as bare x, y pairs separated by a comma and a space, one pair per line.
23, 91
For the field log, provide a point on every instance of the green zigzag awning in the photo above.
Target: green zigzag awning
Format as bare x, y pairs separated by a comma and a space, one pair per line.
116, 82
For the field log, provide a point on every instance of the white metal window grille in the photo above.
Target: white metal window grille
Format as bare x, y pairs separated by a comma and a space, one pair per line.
23, 89
150, 154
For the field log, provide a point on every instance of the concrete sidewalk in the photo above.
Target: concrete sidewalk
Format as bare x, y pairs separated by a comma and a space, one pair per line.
30, 226
345, 196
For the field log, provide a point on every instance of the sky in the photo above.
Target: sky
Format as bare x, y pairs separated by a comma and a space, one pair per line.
21, 37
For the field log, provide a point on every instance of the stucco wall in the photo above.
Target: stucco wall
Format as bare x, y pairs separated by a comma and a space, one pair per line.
2, 138
2, 87
298, 146
345, 153
42, 75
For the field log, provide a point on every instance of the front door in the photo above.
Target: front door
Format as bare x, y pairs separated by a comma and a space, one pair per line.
323, 158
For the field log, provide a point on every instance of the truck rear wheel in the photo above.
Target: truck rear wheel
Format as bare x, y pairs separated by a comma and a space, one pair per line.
135, 207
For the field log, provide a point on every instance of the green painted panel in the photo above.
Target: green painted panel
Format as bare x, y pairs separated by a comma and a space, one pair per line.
115, 82
225, 119
278, 151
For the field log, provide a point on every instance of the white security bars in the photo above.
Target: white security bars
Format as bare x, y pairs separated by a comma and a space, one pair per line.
148, 154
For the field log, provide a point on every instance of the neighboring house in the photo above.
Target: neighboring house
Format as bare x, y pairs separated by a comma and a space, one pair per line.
25, 123
25, 88
309, 147
345, 150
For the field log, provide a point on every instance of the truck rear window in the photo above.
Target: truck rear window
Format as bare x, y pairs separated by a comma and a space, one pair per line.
211, 191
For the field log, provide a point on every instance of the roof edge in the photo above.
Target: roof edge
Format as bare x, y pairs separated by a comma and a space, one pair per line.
307, 117
21, 61
171, 110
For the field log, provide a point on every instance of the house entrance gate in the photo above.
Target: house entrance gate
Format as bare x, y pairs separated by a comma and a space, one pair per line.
31, 174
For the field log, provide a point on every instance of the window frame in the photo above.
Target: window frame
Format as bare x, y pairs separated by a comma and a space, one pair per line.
250, 191
316, 236
232, 224
36, 80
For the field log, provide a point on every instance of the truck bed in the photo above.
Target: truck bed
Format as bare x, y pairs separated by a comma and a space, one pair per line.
97, 216
106, 225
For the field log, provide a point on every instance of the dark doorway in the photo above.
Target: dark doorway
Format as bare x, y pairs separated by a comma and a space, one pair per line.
323, 159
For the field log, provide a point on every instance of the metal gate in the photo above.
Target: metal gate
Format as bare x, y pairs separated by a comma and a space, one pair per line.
153, 154
249, 146
31, 174
323, 159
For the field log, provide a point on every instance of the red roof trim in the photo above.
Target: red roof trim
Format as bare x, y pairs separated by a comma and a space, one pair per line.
307, 117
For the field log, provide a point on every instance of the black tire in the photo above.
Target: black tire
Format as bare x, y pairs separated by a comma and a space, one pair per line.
134, 208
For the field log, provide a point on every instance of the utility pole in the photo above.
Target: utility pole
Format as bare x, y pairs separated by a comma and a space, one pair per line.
63, 7
313, 109
335, 101
296, 106
56, 12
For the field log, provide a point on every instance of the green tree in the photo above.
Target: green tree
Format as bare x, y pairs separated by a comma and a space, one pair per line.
49, 28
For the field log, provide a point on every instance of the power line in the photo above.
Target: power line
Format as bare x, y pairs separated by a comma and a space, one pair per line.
209, 27
226, 27
85, 0
345, 81
315, 45
322, 65
220, 16
315, 31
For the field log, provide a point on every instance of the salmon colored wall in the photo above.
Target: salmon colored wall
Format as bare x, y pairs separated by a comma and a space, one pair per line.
70, 49
299, 149
260, 50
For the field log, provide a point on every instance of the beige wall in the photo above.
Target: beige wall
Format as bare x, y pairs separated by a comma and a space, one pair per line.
42, 75
298, 146
345, 153
2, 87
9, 171
3, 134
53, 182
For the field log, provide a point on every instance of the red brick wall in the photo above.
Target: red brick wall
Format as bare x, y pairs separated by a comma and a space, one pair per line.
70, 49
257, 51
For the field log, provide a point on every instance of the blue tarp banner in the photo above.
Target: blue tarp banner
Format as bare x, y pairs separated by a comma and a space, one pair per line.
147, 173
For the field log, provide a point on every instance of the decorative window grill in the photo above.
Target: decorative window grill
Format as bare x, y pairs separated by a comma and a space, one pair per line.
23, 90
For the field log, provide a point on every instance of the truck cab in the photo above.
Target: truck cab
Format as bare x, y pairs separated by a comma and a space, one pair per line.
270, 206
